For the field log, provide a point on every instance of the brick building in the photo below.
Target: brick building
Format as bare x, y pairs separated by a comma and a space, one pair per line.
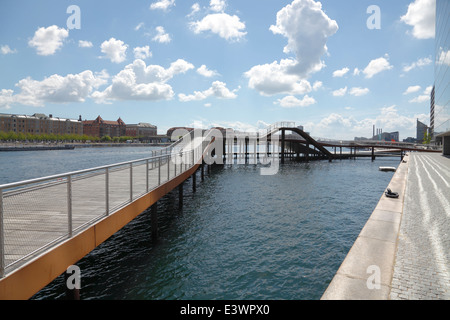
40, 123
142, 130
100, 128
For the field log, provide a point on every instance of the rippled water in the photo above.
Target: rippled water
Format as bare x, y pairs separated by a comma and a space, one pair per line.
23, 165
240, 236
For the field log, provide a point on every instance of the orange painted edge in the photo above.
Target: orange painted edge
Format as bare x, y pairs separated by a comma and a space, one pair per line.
26, 281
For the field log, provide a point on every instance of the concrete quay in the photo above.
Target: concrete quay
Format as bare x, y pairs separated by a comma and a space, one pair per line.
403, 251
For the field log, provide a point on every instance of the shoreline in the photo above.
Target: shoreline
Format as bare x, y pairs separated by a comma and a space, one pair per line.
5, 147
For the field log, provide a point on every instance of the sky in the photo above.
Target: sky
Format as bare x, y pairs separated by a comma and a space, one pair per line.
337, 67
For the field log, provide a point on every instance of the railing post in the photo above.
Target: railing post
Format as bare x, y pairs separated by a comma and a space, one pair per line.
69, 204
131, 182
146, 175
107, 190
2, 237
159, 171
168, 167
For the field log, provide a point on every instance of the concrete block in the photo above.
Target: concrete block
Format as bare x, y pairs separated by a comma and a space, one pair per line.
343, 287
367, 252
381, 230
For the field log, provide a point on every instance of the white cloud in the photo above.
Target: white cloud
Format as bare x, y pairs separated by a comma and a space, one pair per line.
424, 97
85, 44
137, 81
339, 92
195, 8
307, 29
274, 78
411, 89
162, 5
48, 40
6, 98
224, 25
376, 66
218, 89
54, 89
420, 99
115, 50
7, 50
428, 90
289, 75
356, 72
292, 102
336, 126
142, 52
161, 35
421, 15
340, 73
357, 91
419, 63
204, 71
139, 26
217, 5
317, 85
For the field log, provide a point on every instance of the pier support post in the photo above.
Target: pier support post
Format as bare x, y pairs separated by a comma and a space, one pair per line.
282, 145
202, 170
180, 195
307, 152
71, 294
246, 151
194, 178
373, 153
154, 221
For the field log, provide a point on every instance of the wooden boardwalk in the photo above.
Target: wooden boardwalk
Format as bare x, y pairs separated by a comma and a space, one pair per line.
36, 217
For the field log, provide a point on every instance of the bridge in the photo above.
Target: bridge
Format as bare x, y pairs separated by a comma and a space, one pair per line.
50, 223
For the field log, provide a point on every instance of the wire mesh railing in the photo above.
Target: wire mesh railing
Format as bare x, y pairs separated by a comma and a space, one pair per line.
39, 213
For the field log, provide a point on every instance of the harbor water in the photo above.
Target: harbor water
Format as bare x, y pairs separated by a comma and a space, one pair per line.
240, 236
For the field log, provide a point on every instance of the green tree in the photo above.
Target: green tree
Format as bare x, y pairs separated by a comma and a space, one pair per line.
426, 138
106, 139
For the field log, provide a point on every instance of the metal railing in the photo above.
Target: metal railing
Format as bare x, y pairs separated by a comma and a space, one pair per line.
280, 124
36, 214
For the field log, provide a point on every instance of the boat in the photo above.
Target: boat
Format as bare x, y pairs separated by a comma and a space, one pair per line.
387, 168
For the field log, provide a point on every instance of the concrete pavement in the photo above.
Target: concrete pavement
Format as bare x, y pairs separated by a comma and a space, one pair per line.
403, 250
422, 266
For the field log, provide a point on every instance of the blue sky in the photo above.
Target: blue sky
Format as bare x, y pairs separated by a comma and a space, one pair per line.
239, 64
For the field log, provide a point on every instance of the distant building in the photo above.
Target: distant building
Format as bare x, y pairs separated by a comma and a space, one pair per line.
143, 130
386, 136
171, 130
421, 130
100, 128
40, 123
410, 140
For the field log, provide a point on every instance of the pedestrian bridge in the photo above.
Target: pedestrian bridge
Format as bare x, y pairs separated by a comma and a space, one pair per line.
49, 223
